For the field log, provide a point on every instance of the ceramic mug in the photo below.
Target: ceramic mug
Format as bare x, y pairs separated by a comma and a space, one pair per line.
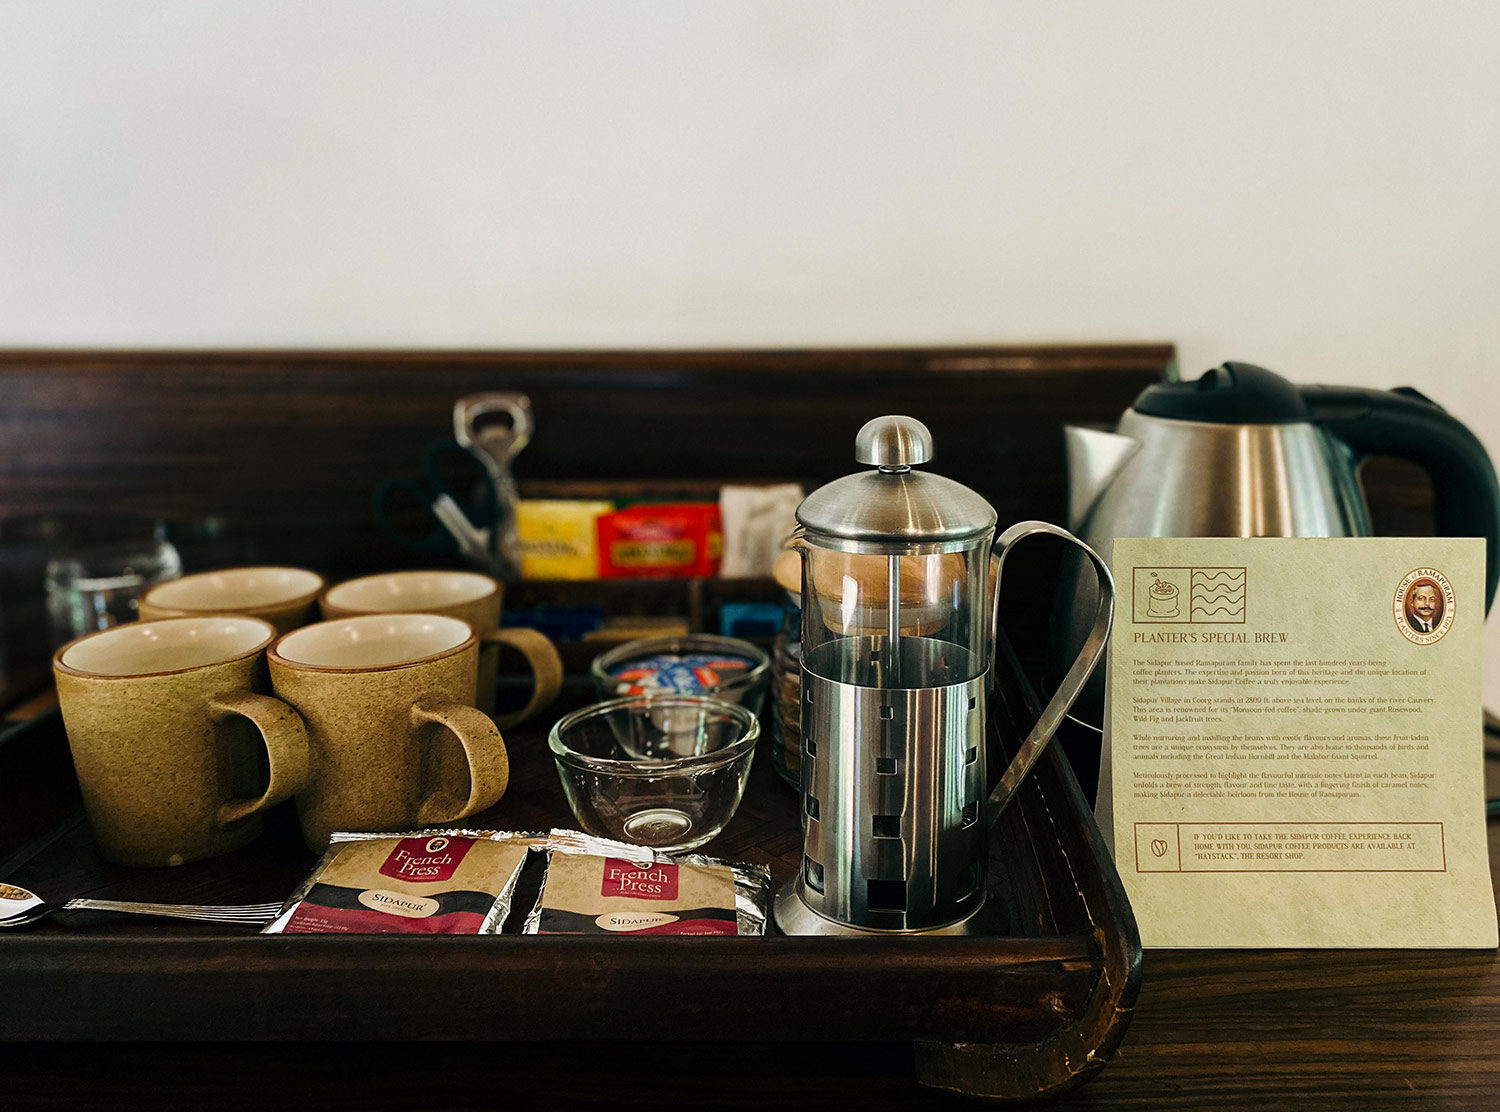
171, 736
394, 737
470, 597
285, 597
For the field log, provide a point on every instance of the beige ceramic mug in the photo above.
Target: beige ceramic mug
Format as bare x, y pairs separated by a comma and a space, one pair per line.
171, 738
471, 597
395, 740
285, 597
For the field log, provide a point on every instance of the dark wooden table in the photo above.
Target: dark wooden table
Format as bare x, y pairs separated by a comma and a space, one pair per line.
146, 434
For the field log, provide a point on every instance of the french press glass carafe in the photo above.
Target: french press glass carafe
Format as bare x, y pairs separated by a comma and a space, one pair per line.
898, 611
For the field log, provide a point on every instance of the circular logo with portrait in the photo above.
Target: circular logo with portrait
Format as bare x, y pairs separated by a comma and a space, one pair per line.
1424, 606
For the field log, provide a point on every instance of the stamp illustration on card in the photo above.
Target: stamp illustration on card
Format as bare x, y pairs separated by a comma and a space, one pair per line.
1424, 606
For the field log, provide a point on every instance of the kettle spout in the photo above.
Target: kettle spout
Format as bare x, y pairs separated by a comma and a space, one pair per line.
1095, 457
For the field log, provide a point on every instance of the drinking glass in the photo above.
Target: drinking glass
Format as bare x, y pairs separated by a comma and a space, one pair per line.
659, 770
93, 587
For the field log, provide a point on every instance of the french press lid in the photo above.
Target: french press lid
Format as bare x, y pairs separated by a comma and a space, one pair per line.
893, 503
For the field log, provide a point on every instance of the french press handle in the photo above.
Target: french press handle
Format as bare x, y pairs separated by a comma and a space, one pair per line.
1072, 683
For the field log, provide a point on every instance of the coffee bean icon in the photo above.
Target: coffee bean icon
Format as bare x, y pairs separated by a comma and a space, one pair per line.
1159, 847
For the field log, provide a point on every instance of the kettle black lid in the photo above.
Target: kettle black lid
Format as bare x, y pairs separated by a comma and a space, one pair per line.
1236, 394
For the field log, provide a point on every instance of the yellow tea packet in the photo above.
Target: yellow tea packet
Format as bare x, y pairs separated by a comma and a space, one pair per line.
559, 539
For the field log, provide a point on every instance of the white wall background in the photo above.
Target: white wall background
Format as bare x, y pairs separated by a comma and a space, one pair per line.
1311, 186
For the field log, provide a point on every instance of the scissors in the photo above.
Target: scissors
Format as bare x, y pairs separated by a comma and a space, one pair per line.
452, 508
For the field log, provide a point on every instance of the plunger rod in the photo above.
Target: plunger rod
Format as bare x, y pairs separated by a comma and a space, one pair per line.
893, 630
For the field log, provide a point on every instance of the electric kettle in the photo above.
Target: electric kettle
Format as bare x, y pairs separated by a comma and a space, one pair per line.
1242, 452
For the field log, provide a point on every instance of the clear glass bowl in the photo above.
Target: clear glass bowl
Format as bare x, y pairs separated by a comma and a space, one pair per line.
691, 664
659, 770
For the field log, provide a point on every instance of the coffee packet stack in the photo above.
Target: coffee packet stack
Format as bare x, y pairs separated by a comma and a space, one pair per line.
464, 882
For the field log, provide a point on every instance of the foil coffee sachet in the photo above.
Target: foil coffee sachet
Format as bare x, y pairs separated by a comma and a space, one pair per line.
596, 886
421, 882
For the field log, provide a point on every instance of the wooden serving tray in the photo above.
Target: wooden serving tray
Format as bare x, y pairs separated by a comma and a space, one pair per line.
173, 435
1034, 1012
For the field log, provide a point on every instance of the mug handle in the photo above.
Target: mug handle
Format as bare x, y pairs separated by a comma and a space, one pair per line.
484, 752
546, 669
286, 745
1072, 683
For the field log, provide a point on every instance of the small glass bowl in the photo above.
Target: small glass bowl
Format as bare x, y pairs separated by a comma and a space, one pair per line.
659, 770
691, 664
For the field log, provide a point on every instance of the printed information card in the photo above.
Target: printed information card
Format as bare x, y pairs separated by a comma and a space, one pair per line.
1295, 752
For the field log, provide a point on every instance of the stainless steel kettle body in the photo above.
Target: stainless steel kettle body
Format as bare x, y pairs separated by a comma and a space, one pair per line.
1178, 478
1242, 452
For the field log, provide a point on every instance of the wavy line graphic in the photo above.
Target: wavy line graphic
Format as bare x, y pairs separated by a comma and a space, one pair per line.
1217, 595
1219, 576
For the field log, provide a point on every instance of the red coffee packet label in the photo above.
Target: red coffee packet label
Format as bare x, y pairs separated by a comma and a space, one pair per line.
425, 860
642, 882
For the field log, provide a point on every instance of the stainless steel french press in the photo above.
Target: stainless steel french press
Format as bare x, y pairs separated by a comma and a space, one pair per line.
898, 627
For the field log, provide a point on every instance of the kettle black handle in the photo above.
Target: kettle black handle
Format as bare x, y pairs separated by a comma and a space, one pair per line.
1405, 424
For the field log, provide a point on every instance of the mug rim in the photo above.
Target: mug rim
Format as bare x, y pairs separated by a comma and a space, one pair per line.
70, 670
326, 599
299, 599
273, 655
